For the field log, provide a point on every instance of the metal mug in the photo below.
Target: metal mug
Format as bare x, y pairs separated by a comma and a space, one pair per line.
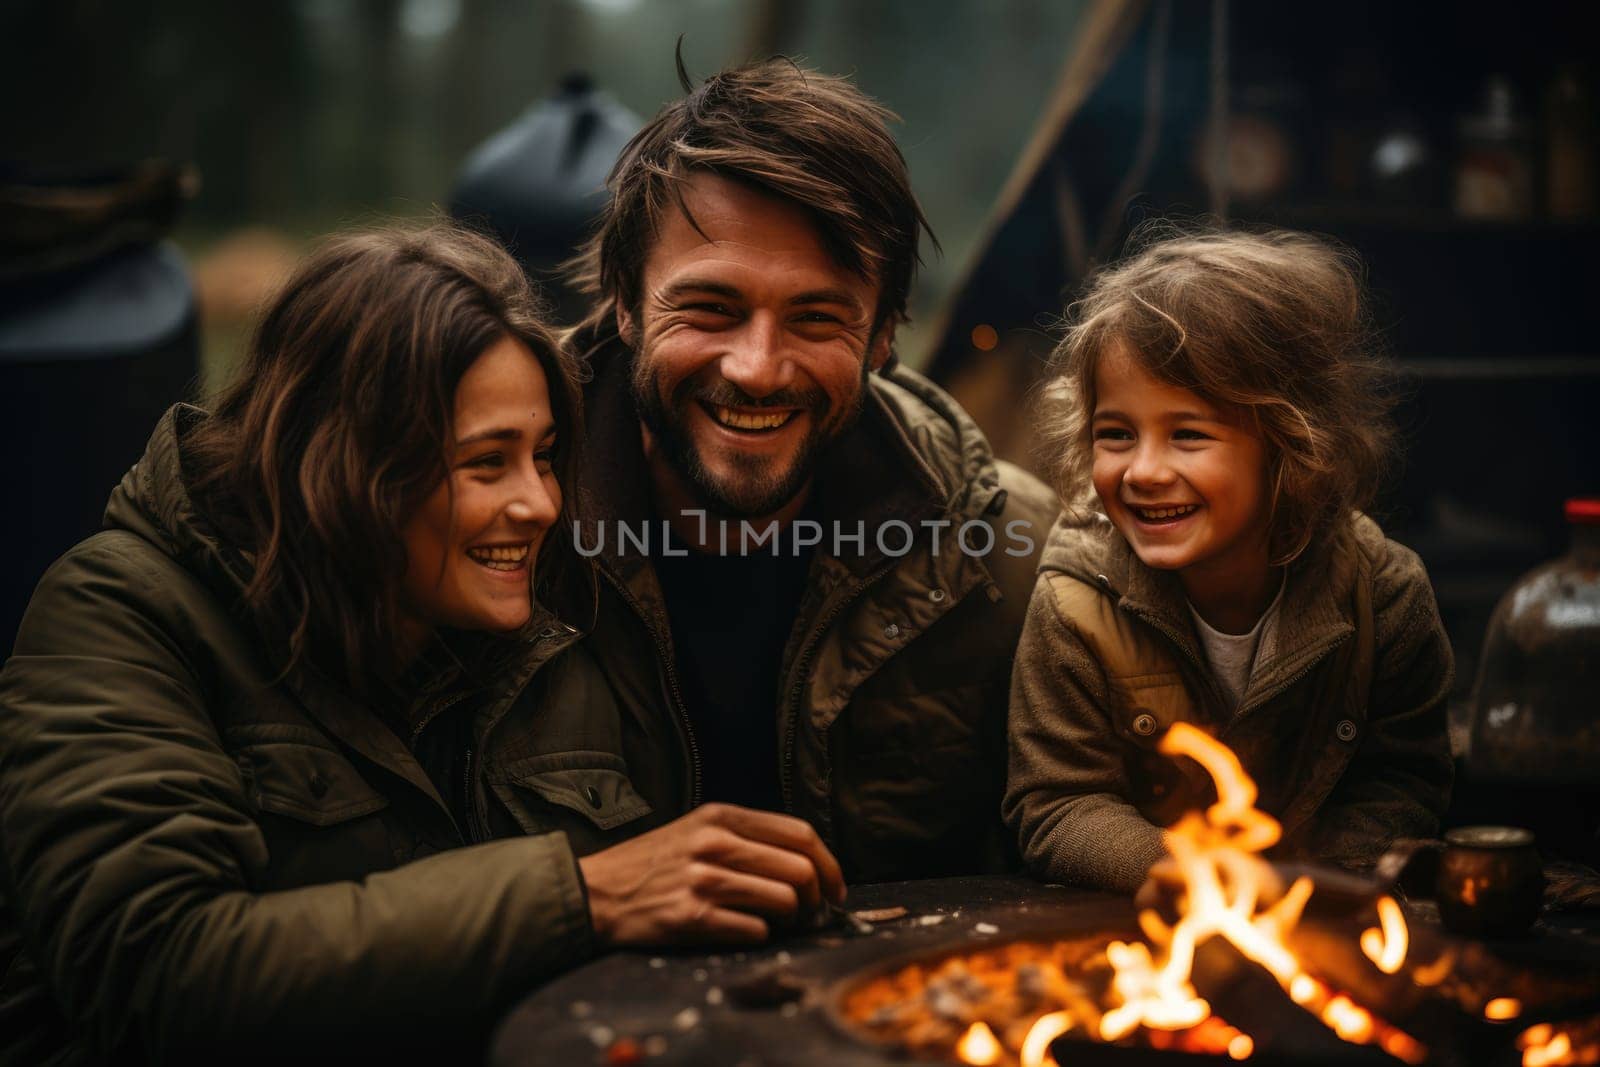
1491, 882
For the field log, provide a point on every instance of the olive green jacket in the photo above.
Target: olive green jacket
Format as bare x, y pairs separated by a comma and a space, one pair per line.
202, 862
1342, 724
892, 694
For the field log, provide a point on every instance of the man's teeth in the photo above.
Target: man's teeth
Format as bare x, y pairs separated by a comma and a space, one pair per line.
740, 420
500, 558
1166, 513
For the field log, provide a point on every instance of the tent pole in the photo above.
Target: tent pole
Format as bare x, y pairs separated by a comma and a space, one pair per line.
1218, 171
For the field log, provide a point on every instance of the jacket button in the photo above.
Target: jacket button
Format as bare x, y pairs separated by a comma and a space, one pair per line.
891, 631
1144, 725
592, 795
319, 785
936, 595
1346, 730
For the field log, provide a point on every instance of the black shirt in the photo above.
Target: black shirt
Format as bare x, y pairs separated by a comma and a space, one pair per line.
731, 616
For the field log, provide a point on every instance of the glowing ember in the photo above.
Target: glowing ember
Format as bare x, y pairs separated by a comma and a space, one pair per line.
1431, 974
1566, 1045
979, 1046
1347, 1020
1502, 1008
1387, 947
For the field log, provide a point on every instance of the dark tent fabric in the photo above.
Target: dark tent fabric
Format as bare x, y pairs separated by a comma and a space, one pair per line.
538, 184
1113, 137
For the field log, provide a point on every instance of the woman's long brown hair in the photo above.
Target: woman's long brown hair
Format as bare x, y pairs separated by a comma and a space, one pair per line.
337, 427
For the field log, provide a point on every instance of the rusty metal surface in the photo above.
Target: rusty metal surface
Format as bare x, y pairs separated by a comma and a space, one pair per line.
683, 1005
776, 1006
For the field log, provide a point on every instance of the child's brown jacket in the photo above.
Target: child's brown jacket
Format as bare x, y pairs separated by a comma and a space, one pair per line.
1342, 724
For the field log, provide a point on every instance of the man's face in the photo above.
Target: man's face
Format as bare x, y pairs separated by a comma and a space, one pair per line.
752, 347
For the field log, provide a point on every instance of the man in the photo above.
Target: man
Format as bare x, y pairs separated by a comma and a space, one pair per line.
812, 570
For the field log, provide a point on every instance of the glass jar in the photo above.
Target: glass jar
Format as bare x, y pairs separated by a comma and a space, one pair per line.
1536, 705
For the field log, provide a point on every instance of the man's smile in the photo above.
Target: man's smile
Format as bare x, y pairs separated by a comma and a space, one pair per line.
756, 421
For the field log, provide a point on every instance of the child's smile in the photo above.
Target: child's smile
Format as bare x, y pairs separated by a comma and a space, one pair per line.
1185, 484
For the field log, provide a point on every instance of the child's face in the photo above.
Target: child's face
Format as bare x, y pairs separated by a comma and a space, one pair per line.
1182, 480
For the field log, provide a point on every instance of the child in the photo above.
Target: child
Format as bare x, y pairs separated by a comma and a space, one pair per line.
1215, 392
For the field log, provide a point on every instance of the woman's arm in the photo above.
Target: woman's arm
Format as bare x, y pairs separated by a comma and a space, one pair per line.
1067, 786
129, 848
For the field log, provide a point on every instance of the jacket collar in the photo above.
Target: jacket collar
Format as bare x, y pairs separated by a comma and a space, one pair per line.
1312, 617
153, 501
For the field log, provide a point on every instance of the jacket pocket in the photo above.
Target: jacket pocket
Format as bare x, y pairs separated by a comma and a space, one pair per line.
594, 785
320, 820
306, 782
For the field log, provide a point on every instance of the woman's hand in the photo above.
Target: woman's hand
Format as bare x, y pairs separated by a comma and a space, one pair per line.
720, 873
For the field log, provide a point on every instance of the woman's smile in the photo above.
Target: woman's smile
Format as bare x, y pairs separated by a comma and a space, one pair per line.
502, 559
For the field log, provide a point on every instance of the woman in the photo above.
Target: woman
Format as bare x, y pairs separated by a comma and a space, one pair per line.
248, 727
198, 728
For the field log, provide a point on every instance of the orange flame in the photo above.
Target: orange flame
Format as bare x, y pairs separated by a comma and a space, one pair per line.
1224, 880
979, 1046
1036, 1046
1545, 1046
1502, 1008
1386, 948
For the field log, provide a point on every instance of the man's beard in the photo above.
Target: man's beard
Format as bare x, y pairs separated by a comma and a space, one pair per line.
752, 491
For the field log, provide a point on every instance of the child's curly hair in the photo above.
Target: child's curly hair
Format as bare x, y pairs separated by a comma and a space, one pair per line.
1269, 324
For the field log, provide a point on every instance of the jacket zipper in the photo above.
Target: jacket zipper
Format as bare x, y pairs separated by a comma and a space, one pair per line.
675, 695
1262, 698
468, 803
1283, 686
473, 831
792, 728
433, 713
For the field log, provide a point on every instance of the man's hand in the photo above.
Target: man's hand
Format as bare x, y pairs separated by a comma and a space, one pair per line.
720, 873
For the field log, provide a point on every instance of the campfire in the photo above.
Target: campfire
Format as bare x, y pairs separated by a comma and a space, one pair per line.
1013, 1003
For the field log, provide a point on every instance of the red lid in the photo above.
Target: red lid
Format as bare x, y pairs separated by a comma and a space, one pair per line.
1584, 510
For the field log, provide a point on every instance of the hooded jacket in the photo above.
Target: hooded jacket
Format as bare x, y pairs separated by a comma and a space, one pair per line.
1342, 724
205, 861
892, 693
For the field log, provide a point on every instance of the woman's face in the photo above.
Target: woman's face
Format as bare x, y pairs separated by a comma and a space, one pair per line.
471, 546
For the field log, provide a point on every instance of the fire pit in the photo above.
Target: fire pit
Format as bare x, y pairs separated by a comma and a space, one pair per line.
1231, 966
697, 1007
1227, 968
692, 1007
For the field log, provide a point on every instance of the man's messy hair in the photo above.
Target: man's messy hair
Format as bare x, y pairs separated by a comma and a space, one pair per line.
1269, 325
812, 139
